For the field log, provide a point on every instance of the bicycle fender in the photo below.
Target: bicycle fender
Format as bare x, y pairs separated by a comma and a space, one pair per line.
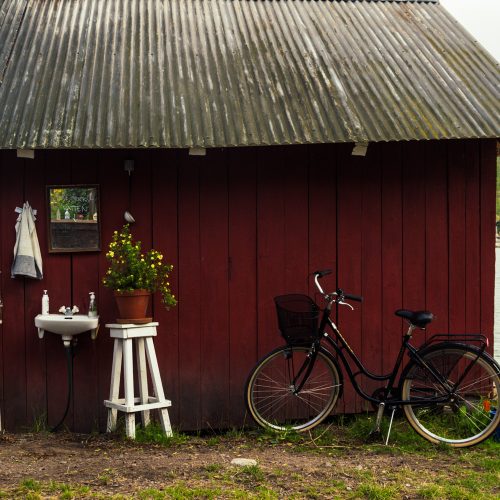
445, 345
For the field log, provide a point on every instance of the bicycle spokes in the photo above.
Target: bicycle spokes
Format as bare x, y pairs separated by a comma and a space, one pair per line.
285, 391
458, 412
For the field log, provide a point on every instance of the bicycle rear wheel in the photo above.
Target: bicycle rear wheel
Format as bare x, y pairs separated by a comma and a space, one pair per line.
270, 390
469, 408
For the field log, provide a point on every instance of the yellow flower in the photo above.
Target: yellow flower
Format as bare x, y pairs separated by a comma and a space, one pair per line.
152, 265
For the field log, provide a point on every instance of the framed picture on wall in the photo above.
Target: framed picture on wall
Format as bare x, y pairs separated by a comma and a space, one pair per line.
73, 218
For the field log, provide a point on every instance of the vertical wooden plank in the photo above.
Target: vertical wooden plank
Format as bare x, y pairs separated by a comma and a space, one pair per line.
488, 200
141, 202
113, 183
57, 280
349, 252
165, 230
392, 246
214, 291
371, 269
270, 244
189, 307
296, 219
36, 393
13, 334
323, 221
323, 214
242, 202
473, 237
86, 278
414, 233
437, 291
457, 236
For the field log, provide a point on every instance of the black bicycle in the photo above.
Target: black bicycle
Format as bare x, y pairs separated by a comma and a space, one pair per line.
448, 390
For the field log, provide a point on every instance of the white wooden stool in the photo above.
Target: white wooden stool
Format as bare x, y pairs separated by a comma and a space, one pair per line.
143, 335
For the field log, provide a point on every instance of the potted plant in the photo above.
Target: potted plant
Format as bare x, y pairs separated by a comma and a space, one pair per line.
134, 275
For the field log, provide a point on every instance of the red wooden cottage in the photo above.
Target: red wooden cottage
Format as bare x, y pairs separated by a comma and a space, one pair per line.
276, 93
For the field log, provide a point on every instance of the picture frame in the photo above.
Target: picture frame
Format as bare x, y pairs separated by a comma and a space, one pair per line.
73, 218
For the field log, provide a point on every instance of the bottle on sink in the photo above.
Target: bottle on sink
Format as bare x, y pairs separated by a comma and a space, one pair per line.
45, 303
92, 306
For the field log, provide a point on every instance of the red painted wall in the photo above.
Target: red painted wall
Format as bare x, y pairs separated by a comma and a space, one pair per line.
410, 225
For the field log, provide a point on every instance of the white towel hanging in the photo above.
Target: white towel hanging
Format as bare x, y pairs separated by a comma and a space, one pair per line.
27, 255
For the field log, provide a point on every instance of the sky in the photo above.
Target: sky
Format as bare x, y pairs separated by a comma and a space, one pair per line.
481, 18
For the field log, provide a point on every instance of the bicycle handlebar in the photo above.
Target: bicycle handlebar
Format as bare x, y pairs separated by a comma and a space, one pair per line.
356, 298
340, 293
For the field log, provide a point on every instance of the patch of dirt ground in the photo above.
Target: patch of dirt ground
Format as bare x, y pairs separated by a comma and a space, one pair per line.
108, 465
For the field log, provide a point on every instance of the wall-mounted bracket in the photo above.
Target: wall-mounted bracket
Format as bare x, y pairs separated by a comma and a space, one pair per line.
129, 166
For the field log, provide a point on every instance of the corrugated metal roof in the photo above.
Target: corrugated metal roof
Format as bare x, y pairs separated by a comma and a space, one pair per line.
180, 73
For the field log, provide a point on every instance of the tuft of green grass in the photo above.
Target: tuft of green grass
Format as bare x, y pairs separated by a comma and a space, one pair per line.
213, 441
67, 490
373, 491
430, 491
31, 485
272, 437
253, 472
40, 423
31, 489
106, 476
264, 493
181, 491
214, 468
154, 434
151, 494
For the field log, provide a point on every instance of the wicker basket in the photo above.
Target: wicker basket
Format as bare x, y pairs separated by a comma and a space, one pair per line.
297, 318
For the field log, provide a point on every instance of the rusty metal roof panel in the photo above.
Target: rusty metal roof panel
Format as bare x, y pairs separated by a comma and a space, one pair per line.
212, 73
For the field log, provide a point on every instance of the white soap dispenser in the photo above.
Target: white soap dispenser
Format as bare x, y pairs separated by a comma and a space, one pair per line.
92, 306
45, 303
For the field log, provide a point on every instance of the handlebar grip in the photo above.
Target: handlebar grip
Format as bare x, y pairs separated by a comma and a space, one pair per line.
356, 298
322, 273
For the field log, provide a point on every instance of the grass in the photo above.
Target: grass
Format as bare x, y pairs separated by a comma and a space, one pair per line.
32, 489
153, 434
346, 467
373, 491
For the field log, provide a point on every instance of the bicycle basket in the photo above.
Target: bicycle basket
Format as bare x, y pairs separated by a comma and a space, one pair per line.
297, 318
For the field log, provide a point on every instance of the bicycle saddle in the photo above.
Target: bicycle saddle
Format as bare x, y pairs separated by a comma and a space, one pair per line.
416, 318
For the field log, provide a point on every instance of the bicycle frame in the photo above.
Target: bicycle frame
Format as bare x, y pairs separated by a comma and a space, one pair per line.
340, 346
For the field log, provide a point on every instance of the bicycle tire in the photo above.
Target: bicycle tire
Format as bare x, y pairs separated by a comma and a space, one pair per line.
269, 392
470, 413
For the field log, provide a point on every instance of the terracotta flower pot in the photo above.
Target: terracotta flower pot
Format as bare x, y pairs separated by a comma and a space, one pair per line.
132, 306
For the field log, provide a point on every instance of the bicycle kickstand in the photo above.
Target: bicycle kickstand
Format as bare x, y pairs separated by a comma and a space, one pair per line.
390, 426
375, 432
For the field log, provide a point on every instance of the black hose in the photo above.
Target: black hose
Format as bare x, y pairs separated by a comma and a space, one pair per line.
69, 364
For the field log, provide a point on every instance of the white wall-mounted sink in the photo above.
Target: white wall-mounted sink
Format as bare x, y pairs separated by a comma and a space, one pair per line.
66, 326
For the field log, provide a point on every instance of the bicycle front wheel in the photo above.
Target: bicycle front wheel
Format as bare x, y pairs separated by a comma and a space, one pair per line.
467, 411
271, 390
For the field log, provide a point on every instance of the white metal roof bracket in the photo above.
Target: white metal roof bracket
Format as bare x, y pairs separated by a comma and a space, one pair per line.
26, 153
360, 149
197, 151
